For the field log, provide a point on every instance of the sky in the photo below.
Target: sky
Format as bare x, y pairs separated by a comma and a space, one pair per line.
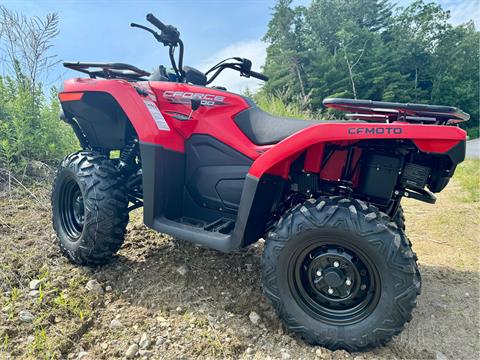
211, 30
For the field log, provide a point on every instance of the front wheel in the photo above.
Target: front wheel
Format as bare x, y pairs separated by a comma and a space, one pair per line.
90, 208
340, 274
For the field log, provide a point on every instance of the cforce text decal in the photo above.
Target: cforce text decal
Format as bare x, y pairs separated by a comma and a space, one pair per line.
374, 131
184, 97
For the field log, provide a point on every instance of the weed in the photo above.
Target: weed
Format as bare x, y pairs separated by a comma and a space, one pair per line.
42, 345
5, 342
77, 305
15, 294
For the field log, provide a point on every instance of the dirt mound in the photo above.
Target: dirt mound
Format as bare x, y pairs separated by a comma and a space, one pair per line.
164, 298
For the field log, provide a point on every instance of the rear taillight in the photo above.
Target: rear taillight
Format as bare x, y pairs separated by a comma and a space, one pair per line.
73, 96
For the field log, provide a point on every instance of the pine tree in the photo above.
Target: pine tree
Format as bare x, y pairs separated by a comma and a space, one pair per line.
369, 49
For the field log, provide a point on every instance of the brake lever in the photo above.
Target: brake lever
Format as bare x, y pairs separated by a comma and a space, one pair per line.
154, 33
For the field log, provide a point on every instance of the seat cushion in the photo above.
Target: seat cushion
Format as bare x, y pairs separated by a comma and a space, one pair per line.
265, 129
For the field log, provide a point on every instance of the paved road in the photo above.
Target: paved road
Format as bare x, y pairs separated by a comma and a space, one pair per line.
473, 148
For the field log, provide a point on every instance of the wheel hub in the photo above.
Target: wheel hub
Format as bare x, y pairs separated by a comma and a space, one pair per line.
78, 209
334, 282
72, 210
334, 273
334, 277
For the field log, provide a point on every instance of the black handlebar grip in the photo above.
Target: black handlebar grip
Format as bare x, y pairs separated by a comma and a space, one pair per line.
259, 76
155, 22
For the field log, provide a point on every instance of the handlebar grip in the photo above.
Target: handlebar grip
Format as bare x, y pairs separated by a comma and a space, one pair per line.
258, 76
155, 22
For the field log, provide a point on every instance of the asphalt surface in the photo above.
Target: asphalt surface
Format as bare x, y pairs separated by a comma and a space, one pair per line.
473, 148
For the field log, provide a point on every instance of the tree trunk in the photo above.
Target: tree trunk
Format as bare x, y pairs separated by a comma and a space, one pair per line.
350, 73
302, 87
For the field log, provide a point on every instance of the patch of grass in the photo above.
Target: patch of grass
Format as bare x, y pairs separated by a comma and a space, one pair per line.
10, 301
42, 346
75, 304
74, 300
468, 175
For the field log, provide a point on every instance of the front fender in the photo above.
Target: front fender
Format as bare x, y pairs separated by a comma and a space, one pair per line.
131, 103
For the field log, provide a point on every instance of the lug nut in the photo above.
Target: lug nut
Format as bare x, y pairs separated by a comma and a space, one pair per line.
330, 290
336, 264
363, 287
348, 282
319, 273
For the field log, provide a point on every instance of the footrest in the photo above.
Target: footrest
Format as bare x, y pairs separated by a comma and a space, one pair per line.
222, 225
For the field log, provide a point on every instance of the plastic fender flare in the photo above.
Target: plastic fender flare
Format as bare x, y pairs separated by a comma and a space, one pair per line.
427, 138
132, 104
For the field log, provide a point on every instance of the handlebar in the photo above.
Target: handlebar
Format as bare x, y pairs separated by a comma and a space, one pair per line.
170, 36
243, 66
258, 75
155, 22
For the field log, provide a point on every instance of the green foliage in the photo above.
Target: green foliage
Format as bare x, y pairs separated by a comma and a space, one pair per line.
277, 106
30, 128
370, 49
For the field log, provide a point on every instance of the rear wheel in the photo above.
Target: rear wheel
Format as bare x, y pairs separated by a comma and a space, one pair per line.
340, 274
89, 205
399, 218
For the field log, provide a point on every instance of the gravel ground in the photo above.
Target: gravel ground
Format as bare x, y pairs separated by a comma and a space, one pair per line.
162, 298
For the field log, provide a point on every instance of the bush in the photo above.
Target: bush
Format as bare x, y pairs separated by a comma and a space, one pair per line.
30, 128
277, 106
473, 132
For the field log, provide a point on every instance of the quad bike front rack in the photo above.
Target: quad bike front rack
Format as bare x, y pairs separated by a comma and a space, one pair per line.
108, 70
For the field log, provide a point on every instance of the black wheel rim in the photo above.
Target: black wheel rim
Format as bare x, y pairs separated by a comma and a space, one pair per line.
334, 281
72, 209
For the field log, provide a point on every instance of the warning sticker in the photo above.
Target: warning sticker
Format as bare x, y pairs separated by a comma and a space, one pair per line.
157, 115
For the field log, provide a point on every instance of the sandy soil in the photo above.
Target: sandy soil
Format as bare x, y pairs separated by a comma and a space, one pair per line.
182, 301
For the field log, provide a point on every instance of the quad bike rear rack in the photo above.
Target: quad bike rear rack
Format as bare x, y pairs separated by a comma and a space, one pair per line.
380, 111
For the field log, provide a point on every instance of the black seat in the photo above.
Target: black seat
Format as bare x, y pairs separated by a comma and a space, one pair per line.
265, 129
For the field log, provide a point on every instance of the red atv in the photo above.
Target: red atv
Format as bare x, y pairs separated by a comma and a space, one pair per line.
210, 167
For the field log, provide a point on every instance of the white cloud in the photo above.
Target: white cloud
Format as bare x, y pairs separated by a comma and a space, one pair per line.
254, 50
462, 11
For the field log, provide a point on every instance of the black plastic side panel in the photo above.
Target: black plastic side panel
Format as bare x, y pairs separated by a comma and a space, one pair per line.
215, 174
100, 118
441, 176
457, 153
258, 198
195, 211
163, 180
163, 187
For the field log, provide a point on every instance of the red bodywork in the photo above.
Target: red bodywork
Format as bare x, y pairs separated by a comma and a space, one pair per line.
217, 121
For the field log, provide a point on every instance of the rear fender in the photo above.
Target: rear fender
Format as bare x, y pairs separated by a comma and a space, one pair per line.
273, 167
427, 138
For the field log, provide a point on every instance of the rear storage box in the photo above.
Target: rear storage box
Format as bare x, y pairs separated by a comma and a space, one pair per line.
379, 175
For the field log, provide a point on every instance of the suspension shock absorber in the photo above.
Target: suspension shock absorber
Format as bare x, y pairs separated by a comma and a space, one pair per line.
128, 154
